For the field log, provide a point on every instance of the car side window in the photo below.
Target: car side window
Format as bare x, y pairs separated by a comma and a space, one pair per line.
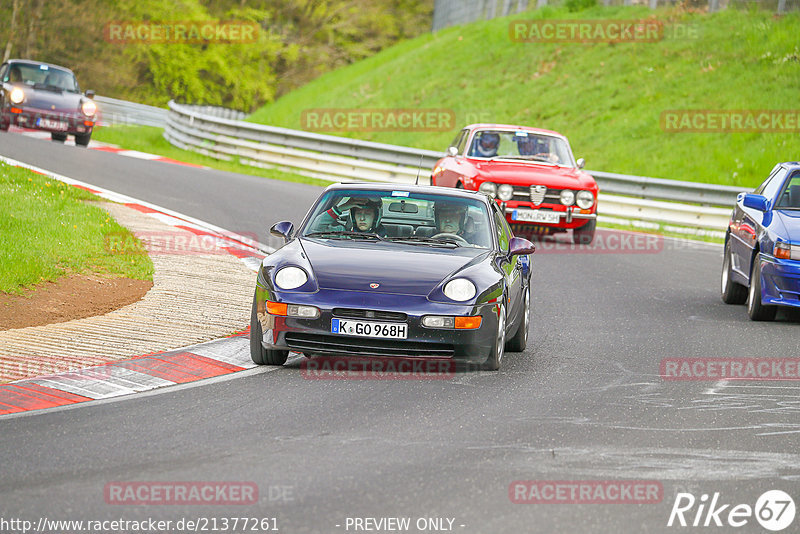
503, 231
772, 187
460, 140
760, 189
3, 72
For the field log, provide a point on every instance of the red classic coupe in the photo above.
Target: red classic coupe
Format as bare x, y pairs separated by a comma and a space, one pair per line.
530, 172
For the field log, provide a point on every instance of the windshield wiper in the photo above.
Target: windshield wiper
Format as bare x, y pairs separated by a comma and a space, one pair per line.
345, 233
421, 240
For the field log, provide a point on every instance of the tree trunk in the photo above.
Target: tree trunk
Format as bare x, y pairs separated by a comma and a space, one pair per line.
33, 23
13, 32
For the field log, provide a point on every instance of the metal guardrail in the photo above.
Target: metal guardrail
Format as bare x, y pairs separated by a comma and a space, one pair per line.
340, 158
113, 111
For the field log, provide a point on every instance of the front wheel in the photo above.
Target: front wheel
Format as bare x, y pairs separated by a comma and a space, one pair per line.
498, 349
83, 140
585, 234
258, 353
4, 125
58, 137
732, 293
520, 339
755, 309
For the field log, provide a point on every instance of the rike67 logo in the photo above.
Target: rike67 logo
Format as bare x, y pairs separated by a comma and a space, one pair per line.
774, 510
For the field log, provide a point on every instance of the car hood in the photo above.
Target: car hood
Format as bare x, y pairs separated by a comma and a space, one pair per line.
397, 268
61, 101
530, 173
790, 219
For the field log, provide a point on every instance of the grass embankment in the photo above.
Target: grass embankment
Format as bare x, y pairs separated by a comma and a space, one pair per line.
151, 140
607, 98
47, 231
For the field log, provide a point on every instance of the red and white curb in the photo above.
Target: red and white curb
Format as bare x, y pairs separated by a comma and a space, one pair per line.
151, 371
105, 147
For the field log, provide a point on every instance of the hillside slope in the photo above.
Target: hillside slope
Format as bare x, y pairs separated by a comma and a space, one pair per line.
608, 98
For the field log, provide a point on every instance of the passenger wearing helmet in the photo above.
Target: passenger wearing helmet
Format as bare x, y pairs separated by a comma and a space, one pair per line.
365, 216
485, 145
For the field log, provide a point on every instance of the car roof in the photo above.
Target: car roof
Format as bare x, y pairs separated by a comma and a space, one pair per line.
37, 63
791, 165
490, 126
424, 189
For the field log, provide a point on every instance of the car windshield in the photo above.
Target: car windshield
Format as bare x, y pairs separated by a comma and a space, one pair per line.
42, 76
790, 198
520, 145
417, 219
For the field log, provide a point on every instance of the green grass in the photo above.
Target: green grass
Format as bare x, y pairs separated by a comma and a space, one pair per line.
47, 230
607, 98
151, 140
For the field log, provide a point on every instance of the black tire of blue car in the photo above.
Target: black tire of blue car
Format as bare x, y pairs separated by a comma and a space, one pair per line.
58, 137
585, 234
732, 293
83, 140
518, 342
497, 350
258, 353
755, 309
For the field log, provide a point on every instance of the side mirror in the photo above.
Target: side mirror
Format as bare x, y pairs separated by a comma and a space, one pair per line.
89, 94
452, 151
581, 163
520, 246
756, 202
282, 229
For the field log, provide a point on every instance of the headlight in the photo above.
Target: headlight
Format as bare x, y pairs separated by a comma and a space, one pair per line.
568, 197
459, 289
290, 278
489, 188
505, 192
89, 108
17, 95
585, 199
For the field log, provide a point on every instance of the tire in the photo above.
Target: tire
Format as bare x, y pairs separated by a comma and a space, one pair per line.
755, 309
585, 234
258, 353
58, 137
4, 125
496, 353
732, 292
459, 185
520, 339
83, 140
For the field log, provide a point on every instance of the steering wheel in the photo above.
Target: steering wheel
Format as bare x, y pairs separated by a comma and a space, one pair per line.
451, 236
546, 156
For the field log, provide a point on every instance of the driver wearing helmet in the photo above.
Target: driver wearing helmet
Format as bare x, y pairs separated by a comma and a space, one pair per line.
486, 145
365, 216
451, 218
531, 146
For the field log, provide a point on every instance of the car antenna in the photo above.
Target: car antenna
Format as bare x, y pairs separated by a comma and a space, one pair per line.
419, 167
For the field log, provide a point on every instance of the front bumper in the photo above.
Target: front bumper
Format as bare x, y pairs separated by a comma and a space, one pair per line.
49, 121
314, 336
780, 281
548, 215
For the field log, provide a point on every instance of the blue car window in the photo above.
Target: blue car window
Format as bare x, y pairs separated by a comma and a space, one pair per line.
790, 196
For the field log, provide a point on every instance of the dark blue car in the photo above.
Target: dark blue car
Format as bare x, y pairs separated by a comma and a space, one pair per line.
385, 270
762, 246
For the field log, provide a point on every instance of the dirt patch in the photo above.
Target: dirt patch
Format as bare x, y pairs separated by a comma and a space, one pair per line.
73, 297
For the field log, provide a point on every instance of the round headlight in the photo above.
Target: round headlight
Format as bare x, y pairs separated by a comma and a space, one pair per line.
585, 199
290, 278
505, 192
459, 289
17, 95
567, 197
489, 188
89, 108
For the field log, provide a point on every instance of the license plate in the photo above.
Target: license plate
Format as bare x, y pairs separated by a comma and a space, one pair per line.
367, 329
51, 124
551, 217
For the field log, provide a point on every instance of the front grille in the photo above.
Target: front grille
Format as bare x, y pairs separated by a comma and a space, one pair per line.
322, 344
524, 192
355, 313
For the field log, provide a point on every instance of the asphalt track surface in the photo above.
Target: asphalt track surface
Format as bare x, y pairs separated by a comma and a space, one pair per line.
584, 402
